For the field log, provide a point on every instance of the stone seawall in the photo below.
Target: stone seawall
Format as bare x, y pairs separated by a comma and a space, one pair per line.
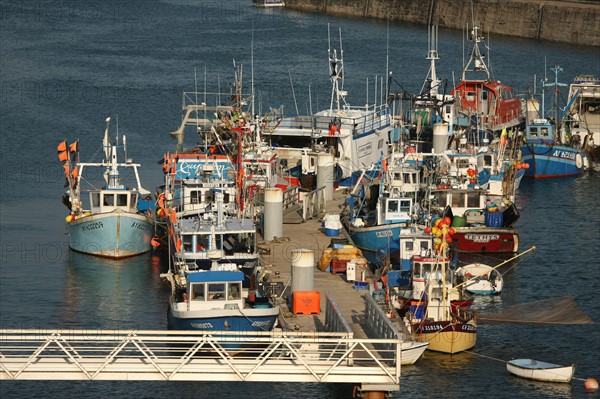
575, 22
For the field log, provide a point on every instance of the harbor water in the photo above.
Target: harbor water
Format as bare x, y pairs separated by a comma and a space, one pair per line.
65, 66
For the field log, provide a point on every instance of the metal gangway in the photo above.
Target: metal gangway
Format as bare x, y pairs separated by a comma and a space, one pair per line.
276, 356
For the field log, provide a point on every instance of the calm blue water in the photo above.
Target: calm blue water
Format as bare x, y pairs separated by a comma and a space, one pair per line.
65, 66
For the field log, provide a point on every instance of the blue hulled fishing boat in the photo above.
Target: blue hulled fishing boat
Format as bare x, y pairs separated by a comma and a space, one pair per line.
116, 222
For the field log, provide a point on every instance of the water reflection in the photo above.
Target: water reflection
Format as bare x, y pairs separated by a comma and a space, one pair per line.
116, 294
547, 389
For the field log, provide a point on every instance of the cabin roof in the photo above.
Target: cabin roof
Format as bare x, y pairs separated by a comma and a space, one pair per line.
232, 225
210, 276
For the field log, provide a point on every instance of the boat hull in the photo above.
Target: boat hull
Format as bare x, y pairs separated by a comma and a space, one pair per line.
412, 351
479, 279
371, 239
447, 336
540, 371
231, 320
546, 161
112, 234
486, 239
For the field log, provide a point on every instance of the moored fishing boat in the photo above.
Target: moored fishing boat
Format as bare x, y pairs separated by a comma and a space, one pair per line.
117, 222
545, 157
378, 210
357, 137
541, 371
215, 300
543, 151
487, 102
581, 123
431, 315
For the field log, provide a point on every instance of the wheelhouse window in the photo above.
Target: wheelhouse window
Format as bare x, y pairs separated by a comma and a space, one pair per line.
108, 199
121, 199
202, 242
95, 200
216, 292
533, 131
234, 291
458, 200
470, 96
392, 206
405, 206
187, 243
408, 246
195, 196
544, 132
473, 200
198, 292
441, 199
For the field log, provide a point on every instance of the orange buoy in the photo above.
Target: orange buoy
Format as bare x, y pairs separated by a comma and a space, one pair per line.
154, 242
590, 384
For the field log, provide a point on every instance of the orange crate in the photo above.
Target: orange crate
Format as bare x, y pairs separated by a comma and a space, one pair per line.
338, 266
306, 302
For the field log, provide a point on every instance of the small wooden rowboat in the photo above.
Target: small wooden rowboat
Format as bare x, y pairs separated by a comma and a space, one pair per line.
541, 371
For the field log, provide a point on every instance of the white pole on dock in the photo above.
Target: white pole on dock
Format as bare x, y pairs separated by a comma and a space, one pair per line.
325, 178
273, 222
303, 270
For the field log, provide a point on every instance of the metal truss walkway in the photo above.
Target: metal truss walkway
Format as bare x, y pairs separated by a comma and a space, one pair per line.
199, 356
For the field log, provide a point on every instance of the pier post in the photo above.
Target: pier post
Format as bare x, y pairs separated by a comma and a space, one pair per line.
273, 221
303, 270
325, 172
440, 137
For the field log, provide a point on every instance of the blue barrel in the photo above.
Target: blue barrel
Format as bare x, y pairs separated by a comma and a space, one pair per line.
494, 219
332, 232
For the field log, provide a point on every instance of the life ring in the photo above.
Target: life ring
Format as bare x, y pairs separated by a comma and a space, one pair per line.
578, 161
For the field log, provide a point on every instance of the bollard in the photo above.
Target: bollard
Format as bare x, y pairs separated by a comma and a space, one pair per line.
303, 270
273, 221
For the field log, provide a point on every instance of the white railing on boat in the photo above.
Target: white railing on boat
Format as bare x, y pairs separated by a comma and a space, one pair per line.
274, 356
369, 120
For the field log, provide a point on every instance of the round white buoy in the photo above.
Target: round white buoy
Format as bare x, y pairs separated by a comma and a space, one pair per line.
590, 384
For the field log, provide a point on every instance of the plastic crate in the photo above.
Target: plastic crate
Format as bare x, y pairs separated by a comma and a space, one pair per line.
338, 266
361, 285
306, 303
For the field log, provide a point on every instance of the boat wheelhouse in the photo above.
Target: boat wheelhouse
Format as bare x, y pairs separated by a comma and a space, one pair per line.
215, 300
491, 104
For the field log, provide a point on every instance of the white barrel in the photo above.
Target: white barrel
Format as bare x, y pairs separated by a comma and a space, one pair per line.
325, 174
273, 216
303, 270
440, 137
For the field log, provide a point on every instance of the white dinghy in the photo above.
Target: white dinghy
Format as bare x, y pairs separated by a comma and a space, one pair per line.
541, 371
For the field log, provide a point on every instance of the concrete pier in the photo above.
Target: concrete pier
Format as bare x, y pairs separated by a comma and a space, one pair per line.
309, 236
574, 22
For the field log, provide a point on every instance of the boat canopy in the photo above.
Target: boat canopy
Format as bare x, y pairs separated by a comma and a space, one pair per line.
215, 276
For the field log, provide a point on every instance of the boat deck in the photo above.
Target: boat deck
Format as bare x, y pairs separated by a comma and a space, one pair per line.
308, 235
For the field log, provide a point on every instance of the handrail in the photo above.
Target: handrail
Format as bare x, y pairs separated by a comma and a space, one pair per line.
273, 356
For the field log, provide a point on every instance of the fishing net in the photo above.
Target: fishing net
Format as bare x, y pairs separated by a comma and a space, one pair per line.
558, 310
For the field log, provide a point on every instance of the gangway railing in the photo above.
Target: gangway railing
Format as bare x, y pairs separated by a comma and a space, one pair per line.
336, 322
275, 356
313, 203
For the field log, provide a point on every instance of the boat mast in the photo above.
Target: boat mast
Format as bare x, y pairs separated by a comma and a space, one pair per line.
336, 73
476, 58
432, 55
557, 69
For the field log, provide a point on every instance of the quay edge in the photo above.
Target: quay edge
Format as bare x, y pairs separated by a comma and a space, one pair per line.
572, 22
